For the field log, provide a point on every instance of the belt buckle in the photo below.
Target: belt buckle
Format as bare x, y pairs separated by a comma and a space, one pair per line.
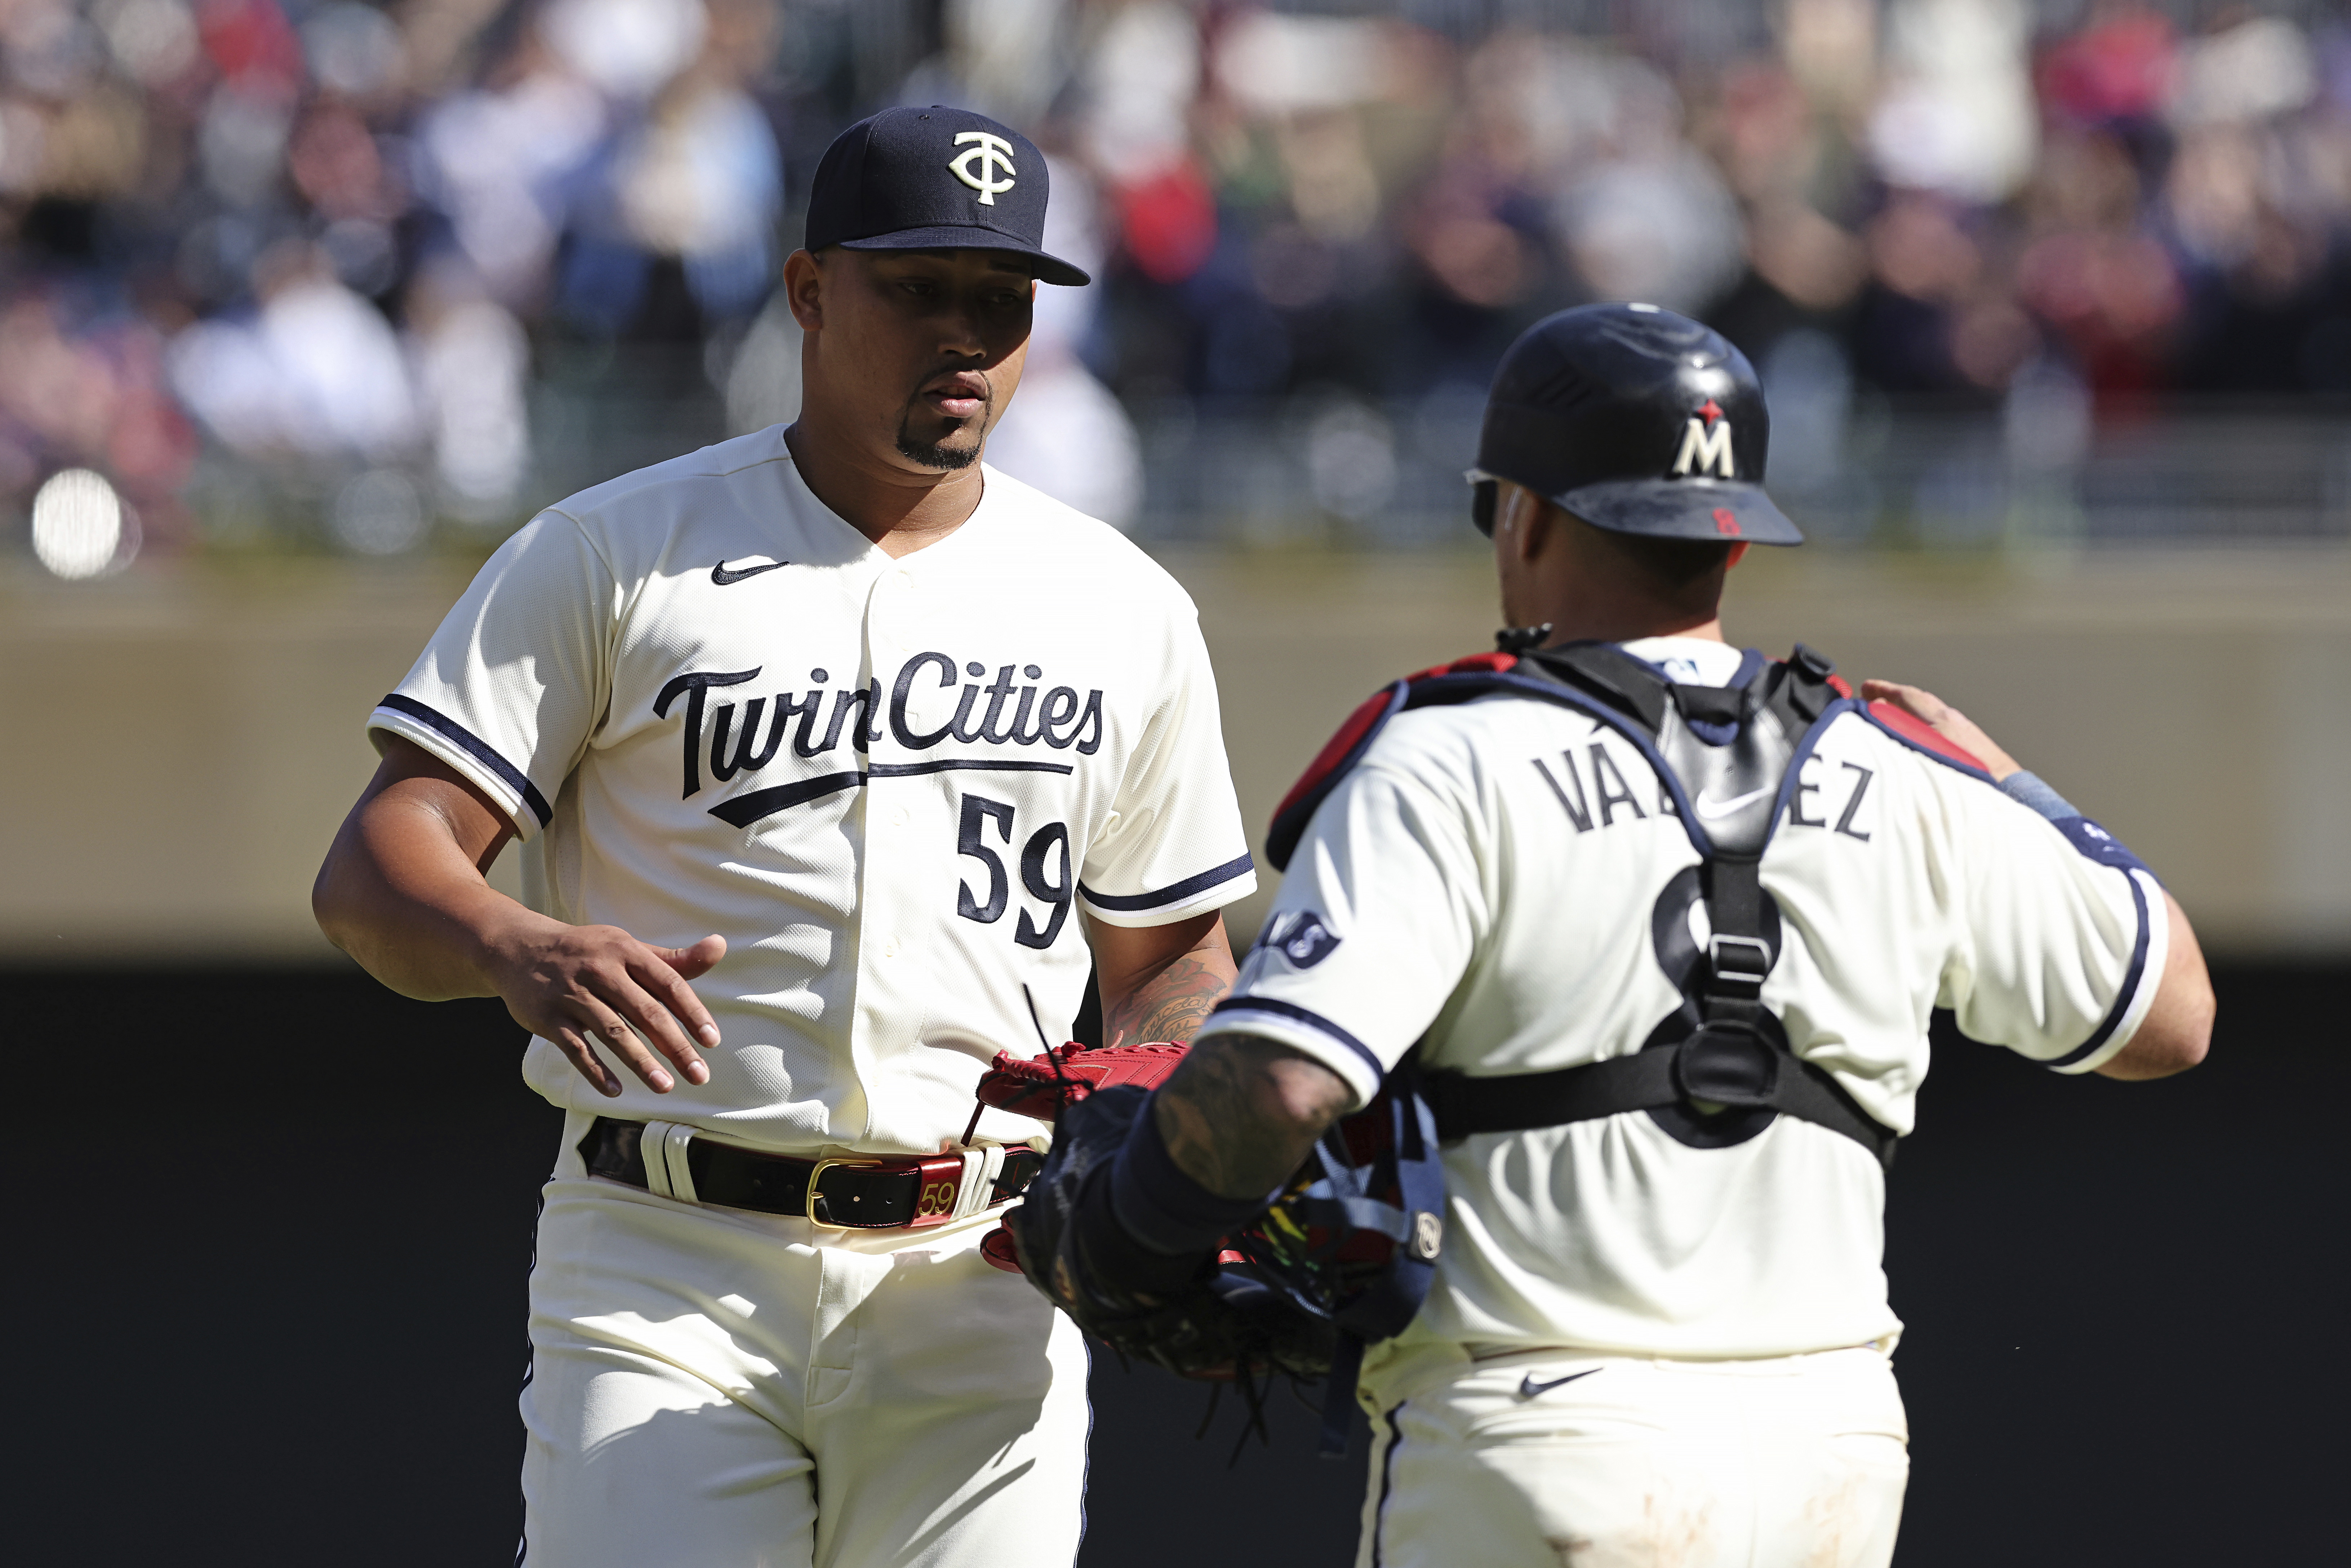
813, 1201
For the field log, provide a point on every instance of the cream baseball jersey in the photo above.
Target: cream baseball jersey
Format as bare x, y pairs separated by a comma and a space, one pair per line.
1493, 881
708, 703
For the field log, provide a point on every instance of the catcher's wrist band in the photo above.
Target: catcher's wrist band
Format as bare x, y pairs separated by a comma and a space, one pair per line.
2093, 841
1160, 1207
2027, 790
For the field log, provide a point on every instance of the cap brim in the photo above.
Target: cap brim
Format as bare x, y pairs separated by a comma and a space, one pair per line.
1719, 511
956, 236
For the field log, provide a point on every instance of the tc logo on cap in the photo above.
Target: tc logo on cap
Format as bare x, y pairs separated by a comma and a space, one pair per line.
993, 152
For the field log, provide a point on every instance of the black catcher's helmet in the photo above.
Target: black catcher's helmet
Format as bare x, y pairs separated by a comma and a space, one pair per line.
1635, 420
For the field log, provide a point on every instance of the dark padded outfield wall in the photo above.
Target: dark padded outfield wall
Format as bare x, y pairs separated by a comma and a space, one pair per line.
269, 1232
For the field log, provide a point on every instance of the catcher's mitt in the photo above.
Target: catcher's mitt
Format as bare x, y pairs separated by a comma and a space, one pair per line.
1344, 1257
1205, 1317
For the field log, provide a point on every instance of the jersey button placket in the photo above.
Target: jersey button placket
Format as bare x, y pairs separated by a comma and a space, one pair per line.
893, 867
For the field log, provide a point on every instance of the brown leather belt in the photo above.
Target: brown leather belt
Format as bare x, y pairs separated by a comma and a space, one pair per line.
858, 1192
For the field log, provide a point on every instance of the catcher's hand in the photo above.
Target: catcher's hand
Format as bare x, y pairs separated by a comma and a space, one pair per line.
1183, 1314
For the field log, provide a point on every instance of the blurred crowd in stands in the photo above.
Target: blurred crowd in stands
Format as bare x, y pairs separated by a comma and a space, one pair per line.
347, 239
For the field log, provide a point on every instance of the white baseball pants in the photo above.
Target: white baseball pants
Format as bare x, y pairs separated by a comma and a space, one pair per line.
1793, 1462
712, 1388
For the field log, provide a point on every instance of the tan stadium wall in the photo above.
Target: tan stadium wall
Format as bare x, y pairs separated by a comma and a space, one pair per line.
177, 745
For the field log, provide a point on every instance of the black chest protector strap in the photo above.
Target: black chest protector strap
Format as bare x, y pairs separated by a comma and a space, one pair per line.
1718, 1069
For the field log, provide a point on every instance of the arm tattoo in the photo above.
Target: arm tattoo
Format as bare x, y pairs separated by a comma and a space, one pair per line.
1241, 1113
1174, 1003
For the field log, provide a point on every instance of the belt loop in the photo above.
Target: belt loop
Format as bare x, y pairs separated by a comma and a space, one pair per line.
980, 1168
681, 1169
968, 1186
652, 1144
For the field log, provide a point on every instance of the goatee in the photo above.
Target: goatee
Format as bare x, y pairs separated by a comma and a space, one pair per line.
931, 454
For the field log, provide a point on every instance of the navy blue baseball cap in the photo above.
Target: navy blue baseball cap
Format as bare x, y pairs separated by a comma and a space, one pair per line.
1638, 421
935, 179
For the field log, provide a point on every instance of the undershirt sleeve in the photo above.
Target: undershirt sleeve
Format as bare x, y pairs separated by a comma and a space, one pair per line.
509, 688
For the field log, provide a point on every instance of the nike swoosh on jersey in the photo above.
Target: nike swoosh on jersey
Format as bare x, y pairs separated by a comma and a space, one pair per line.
1528, 1387
721, 576
1713, 810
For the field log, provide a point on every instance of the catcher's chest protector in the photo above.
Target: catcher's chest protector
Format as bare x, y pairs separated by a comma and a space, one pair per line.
1718, 1069
1713, 1074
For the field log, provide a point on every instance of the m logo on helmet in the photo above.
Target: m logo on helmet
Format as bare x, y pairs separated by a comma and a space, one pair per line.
1705, 445
991, 152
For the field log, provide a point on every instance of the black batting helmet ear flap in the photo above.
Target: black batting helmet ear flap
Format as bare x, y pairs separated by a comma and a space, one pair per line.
1485, 495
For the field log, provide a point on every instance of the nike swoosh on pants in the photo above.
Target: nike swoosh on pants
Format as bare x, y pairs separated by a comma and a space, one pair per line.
1528, 1387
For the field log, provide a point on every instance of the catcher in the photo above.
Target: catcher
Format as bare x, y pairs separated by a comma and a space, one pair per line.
1648, 929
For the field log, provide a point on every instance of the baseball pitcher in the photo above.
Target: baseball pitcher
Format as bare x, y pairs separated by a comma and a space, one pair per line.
837, 758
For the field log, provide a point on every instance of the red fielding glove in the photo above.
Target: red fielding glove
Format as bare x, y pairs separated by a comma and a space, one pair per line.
999, 1250
1043, 1085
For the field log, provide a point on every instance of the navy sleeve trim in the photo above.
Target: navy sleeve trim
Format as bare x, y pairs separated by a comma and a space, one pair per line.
2095, 844
2130, 983
1307, 1016
479, 748
1176, 893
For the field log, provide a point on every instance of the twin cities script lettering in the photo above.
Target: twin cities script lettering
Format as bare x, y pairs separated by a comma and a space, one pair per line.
731, 737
